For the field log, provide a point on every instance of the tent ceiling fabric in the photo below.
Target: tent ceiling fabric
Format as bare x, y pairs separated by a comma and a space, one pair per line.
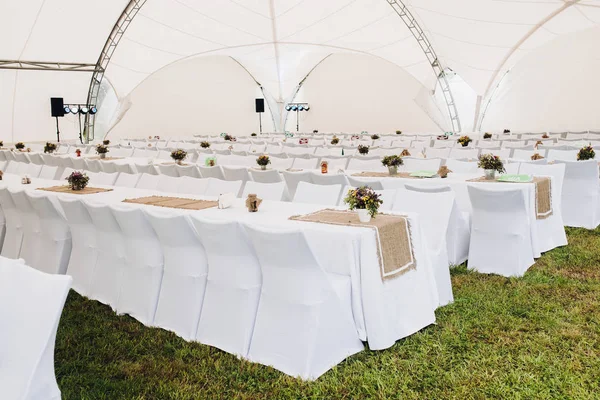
280, 41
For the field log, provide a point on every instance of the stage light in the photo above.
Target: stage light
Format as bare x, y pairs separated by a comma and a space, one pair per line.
84, 110
300, 107
306, 107
288, 108
93, 110
67, 109
294, 108
74, 110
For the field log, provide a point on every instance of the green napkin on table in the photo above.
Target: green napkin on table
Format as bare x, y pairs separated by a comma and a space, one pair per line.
515, 178
424, 174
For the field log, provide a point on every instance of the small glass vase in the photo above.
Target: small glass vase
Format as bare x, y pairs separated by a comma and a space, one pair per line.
102, 156
363, 215
393, 170
263, 167
490, 174
179, 162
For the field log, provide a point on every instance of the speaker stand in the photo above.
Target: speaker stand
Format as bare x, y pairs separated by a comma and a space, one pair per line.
260, 122
80, 135
57, 131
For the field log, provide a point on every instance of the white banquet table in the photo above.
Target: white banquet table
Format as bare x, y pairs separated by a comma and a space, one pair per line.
383, 311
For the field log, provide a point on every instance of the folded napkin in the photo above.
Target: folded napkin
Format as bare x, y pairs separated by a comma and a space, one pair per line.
226, 200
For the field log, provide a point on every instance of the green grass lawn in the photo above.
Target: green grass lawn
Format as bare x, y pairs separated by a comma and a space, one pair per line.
536, 337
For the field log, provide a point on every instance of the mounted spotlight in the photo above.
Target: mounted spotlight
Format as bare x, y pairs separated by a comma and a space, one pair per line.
93, 110
294, 108
300, 107
288, 108
74, 109
306, 107
67, 109
84, 110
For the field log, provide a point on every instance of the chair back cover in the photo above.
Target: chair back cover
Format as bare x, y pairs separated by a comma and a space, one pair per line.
265, 191
327, 195
11, 246
217, 187
148, 181
31, 307
212, 172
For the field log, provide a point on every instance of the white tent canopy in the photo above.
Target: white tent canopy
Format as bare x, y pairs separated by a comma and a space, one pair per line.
278, 42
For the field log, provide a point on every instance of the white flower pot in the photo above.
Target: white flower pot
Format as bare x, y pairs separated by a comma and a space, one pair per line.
363, 215
393, 170
490, 174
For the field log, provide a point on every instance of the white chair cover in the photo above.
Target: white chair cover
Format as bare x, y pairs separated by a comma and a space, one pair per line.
212, 172
191, 185
144, 265
78, 164
124, 168
464, 154
94, 165
434, 211
462, 167
358, 164
265, 191
148, 181
375, 185
305, 163
217, 187
500, 232
433, 152
11, 246
127, 180
232, 288
188, 170
84, 251
580, 195
106, 179
184, 278
293, 178
302, 327
170, 184
412, 164
146, 169
110, 264
268, 176
327, 195
32, 304
109, 167
32, 230
48, 172
55, 237
169, 170
562, 155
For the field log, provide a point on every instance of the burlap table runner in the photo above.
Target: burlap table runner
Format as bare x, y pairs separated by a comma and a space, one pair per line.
543, 194
394, 246
67, 189
174, 202
105, 158
386, 175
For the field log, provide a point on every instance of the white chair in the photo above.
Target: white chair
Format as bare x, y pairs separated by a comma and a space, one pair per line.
13, 238
188, 170
33, 170
525, 154
434, 211
146, 169
268, 176
32, 304
48, 172
336, 163
189, 185
55, 236
433, 152
212, 172
500, 231
169, 184
169, 170
127, 180
281, 164
237, 174
144, 264
302, 326
580, 194
512, 167
148, 182
293, 178
94, 165
110, 263
31, 230
232, 288
124, 168
106, 179
327, 195
13, 167
84, 252
265, 191
217, 187
461, 167
79, 164
562, 155
109, 167
373, 184
184, 278
464, 154
305, 163
412, 164
552, 228
358, 164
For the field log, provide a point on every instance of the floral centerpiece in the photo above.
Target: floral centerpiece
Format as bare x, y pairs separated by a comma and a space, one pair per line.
178, 155
398, 132
101, 150
228, 137
316, 131
78, 180
490, 165
253, 134
363, 149
586, 153
263, 160
335, 140
205, 144
507, 131
49, 147
365, 200
545, 136
536, 156
405, 153
392, 162
1, 143
464, 140
106, 142
19, 146
487, 135
375, 137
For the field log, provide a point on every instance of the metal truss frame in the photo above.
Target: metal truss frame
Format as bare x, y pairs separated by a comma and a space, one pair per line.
440, 72
48, 66
117, 33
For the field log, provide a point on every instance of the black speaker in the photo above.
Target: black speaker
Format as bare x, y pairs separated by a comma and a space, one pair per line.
260, 105
57, 105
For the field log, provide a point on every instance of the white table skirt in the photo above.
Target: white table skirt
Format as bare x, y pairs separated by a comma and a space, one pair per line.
383, 311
